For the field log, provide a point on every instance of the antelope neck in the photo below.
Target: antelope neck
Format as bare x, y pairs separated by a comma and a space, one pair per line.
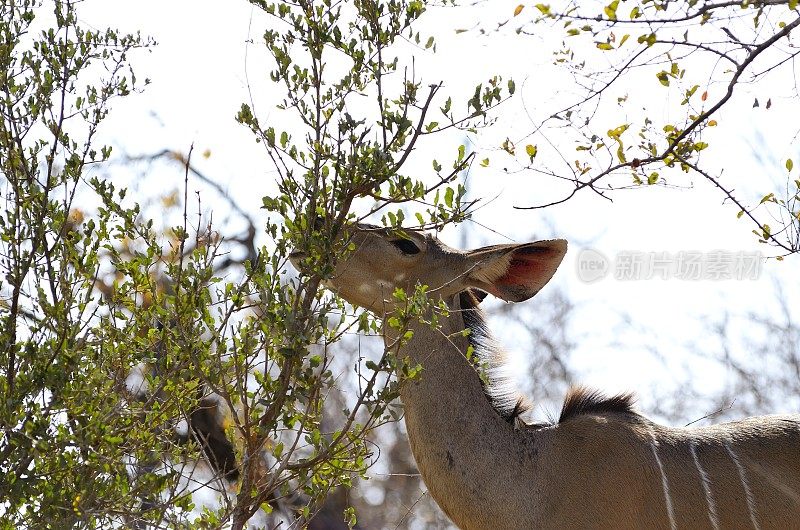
463, 447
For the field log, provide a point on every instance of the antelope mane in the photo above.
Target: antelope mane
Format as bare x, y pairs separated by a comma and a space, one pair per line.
498, 386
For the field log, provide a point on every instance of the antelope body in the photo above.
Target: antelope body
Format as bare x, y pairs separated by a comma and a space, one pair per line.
602, 465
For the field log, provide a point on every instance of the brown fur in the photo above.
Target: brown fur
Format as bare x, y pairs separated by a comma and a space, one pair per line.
583, 400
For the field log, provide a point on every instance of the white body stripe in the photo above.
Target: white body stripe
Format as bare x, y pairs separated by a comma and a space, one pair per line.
664, 481
751, 503
712, 507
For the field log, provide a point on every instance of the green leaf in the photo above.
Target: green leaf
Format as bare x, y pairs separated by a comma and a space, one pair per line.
448, 197
789, 164
447, 104
650, 39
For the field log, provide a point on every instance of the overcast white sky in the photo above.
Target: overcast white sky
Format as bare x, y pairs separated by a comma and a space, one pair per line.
202, 70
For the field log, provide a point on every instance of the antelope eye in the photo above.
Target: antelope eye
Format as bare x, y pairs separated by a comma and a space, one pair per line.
406, 246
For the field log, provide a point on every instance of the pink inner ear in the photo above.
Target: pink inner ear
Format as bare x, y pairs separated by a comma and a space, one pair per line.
527, 267
524, 270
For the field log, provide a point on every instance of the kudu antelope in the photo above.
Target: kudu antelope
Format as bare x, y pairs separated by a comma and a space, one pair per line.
602, 465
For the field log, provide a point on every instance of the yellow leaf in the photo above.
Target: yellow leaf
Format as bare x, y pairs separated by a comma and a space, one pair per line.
170, 200
789, 164
207, 153
75, 216
611, 10
519, 9
712, 123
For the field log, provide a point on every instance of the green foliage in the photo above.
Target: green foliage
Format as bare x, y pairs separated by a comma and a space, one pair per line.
93, 292
347, 148
66, 440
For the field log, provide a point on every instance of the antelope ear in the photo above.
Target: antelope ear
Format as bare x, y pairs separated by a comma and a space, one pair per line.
515, 272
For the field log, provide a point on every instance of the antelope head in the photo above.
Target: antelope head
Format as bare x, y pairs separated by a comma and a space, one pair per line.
384, 260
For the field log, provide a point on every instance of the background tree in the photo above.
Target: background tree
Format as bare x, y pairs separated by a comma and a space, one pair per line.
626, 60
